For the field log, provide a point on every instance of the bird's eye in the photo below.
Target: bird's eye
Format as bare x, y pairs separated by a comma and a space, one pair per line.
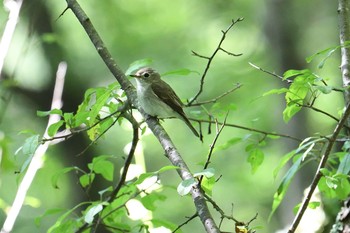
146, 75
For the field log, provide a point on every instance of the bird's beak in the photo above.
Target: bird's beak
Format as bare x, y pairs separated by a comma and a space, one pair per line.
134, 76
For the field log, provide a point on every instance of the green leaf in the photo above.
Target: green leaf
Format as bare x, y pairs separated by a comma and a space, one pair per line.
324, 89
57, 175
227, 144
185, 186
165, 224
208, 184
46, 113
297, 91
283, 162
283, 187
255, 158
209, 172
86, 179
149, 200
167, 168
53, 128
181, 72
69, 225
344, 166
30, 145
101, 100
312, 205
343, 189
102, 166
328, 52
292, 73
69, 119
47, 213
144, 176
136, 65
92, 212
275, 91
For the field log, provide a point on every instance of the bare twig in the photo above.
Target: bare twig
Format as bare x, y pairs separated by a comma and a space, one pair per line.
184, 223
135, 139
318, 174
37, 160
222, 213
212, 145
288, 80
249, 129
214, 100
269, 72
210, 59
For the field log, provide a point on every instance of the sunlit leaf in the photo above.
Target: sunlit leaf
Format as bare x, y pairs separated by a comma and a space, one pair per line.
69, 225
52, 130
255, 158
86, 179
283, 187
185, 186
149, 200
312, 205
167, 168
102, 166
92, 212
276, 91
208, 184
209, 172
344, 166
47, 113
324, 89
283, 162
30, 145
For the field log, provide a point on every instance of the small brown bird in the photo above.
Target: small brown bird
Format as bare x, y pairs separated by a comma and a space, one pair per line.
157, 98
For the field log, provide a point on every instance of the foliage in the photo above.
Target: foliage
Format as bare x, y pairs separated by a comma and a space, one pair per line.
226, 161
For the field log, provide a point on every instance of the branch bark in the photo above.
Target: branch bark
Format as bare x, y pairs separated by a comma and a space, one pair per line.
171, 152
342, 223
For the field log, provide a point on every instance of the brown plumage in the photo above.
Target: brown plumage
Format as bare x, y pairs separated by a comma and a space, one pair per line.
157, 98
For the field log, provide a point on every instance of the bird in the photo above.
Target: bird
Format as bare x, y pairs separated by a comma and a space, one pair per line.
157, 98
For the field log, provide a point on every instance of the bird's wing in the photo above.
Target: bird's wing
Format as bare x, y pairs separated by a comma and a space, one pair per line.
167, 94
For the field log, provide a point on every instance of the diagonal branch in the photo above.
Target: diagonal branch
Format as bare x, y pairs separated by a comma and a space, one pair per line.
171, 152
321, 165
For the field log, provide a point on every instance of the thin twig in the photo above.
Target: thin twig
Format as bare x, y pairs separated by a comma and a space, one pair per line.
214, 100
222, 213
210, 59
184, 223
270, 73
288, 80
318, 174
248, 129
212, 146
135, 139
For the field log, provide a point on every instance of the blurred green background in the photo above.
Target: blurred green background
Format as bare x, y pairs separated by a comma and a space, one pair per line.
275, 35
